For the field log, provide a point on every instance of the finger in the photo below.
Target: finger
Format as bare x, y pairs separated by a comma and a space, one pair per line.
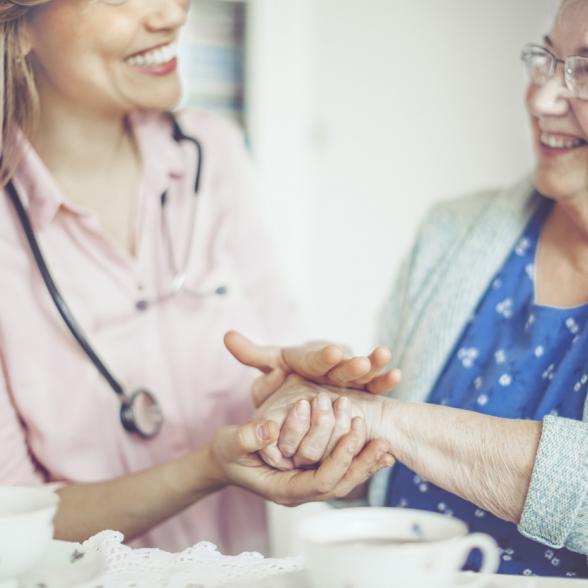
248, 353
349, 370
295, 428
254, 436
379, 358
385, 382
312, 363
322, 422
335, 466
273, 457
265, 385
374, 457
342, 408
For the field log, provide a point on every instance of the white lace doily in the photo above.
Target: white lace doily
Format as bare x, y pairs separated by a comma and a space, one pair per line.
104, 562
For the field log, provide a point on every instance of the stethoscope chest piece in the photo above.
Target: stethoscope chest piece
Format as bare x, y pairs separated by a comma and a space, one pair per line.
141, 414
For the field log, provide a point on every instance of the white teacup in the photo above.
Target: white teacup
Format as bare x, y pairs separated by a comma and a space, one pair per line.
26, 529
385, 547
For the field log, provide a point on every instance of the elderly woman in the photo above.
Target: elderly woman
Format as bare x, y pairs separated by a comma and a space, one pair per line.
489, 322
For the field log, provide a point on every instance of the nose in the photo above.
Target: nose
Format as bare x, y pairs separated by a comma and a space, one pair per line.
552, 98
166, 14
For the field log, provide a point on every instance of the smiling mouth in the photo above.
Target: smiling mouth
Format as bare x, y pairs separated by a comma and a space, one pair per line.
154, 57
559, 142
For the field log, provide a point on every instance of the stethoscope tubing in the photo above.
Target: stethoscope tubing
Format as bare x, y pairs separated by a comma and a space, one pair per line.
60, 303
127, 402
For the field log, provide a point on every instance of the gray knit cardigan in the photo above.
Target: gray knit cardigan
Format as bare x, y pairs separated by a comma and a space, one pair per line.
460, 246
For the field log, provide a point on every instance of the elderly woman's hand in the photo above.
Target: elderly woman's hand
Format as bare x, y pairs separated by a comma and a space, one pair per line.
234, 454
484, 459
313, 420
322, 363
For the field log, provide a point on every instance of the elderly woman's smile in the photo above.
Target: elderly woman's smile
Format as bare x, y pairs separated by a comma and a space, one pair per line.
558, 107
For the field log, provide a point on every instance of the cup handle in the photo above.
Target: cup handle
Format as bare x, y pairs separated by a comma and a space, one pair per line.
488, 547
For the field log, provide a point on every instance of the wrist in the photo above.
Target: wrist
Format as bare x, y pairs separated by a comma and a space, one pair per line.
204, 472
393, 425
373, 410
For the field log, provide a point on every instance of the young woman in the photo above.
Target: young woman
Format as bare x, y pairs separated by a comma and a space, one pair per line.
129, 244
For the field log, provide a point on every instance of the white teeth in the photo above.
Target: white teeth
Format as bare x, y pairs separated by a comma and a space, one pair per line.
154, 57
559, 142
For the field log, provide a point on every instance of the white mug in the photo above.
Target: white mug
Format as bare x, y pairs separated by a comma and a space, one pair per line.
26, 529
382, 547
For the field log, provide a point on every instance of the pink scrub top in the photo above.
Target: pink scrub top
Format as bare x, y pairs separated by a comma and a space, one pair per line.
58, 417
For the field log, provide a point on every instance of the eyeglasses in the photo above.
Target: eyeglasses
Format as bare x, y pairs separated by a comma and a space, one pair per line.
541, 65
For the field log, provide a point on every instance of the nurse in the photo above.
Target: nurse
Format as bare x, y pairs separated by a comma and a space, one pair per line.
153, 250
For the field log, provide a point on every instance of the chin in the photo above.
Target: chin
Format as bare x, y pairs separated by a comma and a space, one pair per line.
558, 186
162, 99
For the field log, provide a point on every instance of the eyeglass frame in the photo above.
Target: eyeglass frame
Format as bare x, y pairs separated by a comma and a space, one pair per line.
554, 62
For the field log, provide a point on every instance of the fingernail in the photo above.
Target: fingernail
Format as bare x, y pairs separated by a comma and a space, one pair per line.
303, 408
344, 403
263, 432
352, 445
357, 424
324, 402
387, 461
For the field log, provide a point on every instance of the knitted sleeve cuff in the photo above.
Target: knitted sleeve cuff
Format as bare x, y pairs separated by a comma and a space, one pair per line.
556, 508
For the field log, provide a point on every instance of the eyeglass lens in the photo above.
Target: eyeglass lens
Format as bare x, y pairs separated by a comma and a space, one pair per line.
541, 65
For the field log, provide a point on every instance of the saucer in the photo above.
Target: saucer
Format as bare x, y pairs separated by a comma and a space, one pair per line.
64, 565
462, 580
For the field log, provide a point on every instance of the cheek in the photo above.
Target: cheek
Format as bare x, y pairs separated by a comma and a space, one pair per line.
530, 99
580, 109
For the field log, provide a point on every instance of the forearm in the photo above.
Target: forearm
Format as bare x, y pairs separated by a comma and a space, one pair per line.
485, 460
135, 503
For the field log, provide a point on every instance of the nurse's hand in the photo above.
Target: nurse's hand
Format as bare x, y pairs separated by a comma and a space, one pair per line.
322, 363
236, 460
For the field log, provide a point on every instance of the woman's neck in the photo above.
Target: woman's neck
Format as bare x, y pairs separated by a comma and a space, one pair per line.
561, 272
95, 161
76, 144
567, 227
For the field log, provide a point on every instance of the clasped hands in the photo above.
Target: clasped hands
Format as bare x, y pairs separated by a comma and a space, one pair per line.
314, 433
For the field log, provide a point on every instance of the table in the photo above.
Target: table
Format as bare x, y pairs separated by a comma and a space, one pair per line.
299, 580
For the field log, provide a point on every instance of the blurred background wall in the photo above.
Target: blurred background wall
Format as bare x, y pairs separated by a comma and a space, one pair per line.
361, 114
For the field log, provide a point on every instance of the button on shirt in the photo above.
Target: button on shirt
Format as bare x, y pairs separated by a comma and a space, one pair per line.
58, 417
515, 359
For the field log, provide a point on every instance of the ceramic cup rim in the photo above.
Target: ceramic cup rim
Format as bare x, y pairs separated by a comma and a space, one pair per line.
314, 525
42, 499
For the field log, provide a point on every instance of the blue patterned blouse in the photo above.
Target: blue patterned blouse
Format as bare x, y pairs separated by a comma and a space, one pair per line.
515, 359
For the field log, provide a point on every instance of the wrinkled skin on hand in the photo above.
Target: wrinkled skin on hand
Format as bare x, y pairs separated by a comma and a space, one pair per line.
299, 446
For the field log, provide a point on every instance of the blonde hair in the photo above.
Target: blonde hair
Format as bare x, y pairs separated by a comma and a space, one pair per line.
19, 105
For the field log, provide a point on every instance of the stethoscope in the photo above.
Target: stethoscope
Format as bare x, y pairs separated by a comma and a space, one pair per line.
140, 411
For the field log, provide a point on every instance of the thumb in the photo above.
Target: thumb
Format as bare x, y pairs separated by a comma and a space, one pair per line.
255, 436
248, 353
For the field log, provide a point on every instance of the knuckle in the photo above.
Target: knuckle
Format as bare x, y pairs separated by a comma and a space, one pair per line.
325, 419
341, 492
241, 437
310, 455
324, 486
287, 450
